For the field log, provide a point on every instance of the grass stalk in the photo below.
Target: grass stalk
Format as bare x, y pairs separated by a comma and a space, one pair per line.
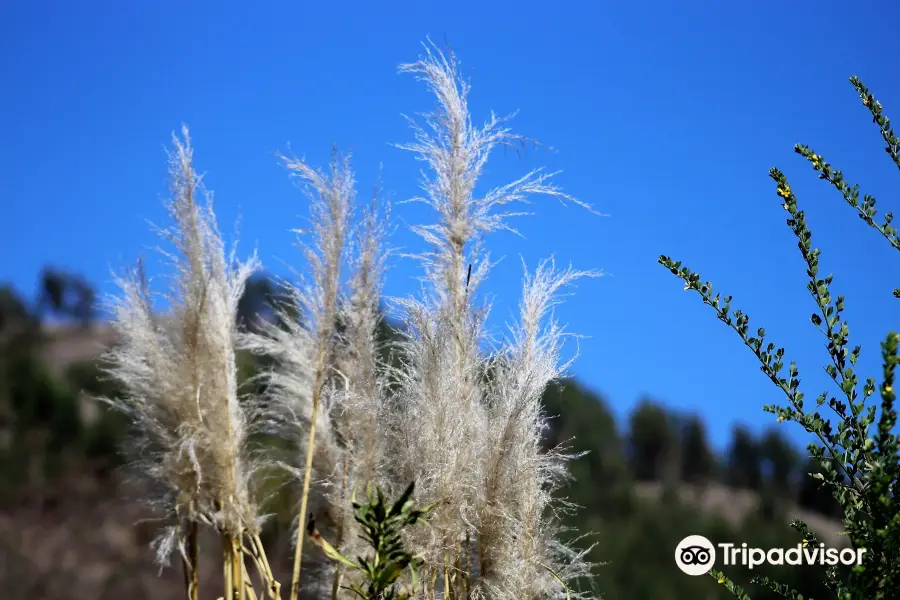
233, 562
447, 594
457, 574
228, 568
258, 555
307, 475
338, 568
336, 583
191, 575
237, 568
248, 583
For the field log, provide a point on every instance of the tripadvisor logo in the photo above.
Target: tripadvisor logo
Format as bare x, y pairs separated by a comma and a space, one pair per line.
696, 555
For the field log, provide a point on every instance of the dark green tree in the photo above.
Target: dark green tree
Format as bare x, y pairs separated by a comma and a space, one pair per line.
698, 463
744, 460
66, 295
581, 422
54, 287
652, 442
779, 464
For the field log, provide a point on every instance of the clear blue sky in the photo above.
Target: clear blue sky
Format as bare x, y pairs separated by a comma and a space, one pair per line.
666, 118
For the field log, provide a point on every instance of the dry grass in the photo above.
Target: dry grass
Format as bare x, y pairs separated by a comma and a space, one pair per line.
737, 505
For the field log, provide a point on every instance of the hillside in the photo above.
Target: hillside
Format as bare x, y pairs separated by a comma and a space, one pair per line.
62, 501
66, 345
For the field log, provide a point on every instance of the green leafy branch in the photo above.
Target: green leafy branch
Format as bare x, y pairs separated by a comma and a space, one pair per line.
733, 588
878, 117
383, 527
865, 209
772, 364
862, 471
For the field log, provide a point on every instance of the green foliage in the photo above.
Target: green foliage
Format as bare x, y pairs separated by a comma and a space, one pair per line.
733, 589
859, 457
43, 417
780, 461
14, 313
635, 533
42, 430
102, 438
698, 464
582, 423
744, 461
638, 545
813, 494
382, 527
652, 442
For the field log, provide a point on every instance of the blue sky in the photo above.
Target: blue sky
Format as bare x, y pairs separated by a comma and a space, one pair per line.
665, 118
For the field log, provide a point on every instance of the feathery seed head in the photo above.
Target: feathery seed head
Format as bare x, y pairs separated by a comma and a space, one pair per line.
178, 368
306, 385
468, 426
302, 342
456, 151
520, 542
